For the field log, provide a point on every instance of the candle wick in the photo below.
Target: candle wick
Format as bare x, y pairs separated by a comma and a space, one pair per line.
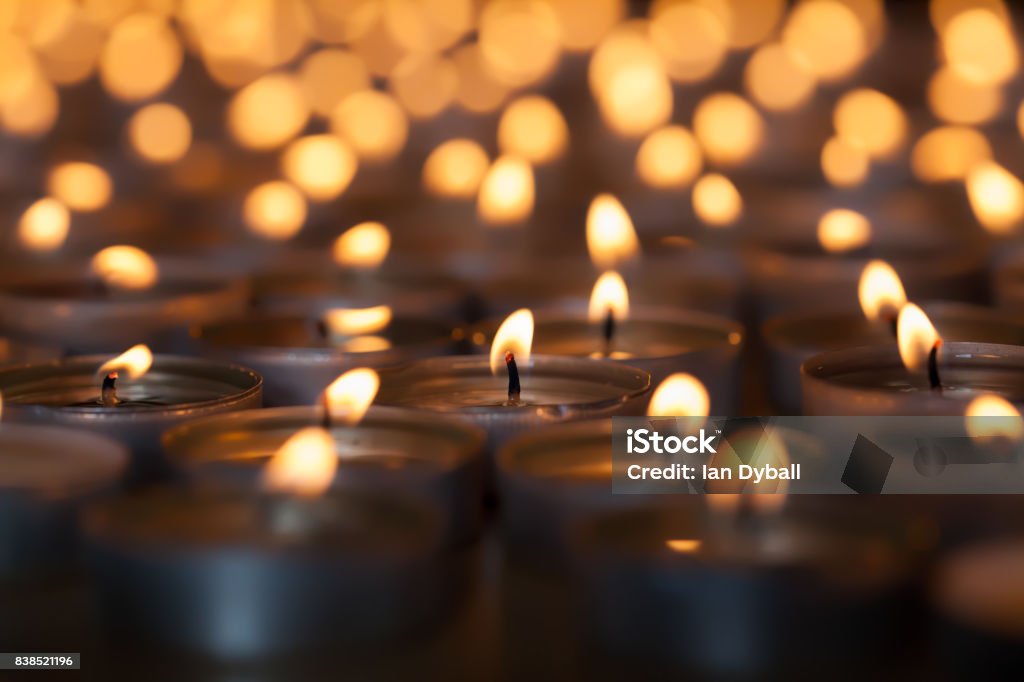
893, 321
933, 367
514, 388
326, 422
322, 330
108, 391
608, 329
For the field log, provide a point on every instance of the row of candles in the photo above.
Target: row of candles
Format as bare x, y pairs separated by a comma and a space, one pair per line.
331, 506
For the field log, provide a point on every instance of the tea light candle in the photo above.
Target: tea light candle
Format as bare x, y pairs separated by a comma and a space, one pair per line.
297, 355
46, 475
792, 338
85, 310
390, 451
68, 393
243, 576
764, 595
660, 340
976, 594
873, 380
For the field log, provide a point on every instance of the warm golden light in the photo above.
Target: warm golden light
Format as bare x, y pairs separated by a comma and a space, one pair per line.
44, 225
160, 133
691, 37
455, 169
979, 45
478, 91
329, 76
680, 395
363, 246
844, 163
373, 123
948, 153
996, 197
628, 80
304, 465
841, 230
991, 416
356, 321
274, 210
776, 80
532, 127
880, 291
729, 129
915, 336
125, 267
519, 40
753, 21
611, 237
424, 84
28, 108
506, 193
609, 296
683, 546
940, 12
826, 37
268, 112
956, 100
141, 57
669, 158
872, 120
349, 396
583, 23
322, 166
80, 186
134, 362
716, 201
515, 335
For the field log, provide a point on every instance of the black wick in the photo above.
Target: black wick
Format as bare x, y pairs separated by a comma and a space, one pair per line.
514, 388
108, 391
608, 328
933, 366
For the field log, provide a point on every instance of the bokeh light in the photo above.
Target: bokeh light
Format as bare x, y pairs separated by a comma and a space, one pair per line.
519, 40
670, 157
160, 133
948, 153
141, 57
507, 192
729, 129
776, 80
716, 201
274, 210
844, 163
322, 166
691, 38
455, 169
425, 85
826, 37
80, 186
979, 46
373, 123
956, 100
44, 225
872, 120
268, 112
330, 75
532, 127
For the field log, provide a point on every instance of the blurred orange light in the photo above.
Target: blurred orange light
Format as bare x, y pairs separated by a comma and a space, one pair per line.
274, 210
160, 133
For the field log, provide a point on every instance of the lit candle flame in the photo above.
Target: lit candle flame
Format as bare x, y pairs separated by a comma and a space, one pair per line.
135, 362
44, 225
357, 321
515, 335
916, 337
611, 237
609, 295
996, 197
507, 193
350, 395
841, 230
880, 291
125, 267
304, 465
364, 246
1004, 420
683, 546
680, 395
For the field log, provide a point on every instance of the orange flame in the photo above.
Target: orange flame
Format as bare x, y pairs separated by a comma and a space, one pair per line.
880, 291
125, 267
611, 237
992, 416
916, 336
609, 295
841, 230
365, 245
135, 361
349, 396
515, 335
304, 465
680, 395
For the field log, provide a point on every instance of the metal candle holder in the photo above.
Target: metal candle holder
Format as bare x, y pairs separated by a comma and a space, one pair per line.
46, 475
391, 451
65, 393
297, 363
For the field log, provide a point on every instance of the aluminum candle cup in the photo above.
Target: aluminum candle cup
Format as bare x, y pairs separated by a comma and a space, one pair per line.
46, 475
66, 393
394, 452
69, 308
242, 576
553, 478
694, 279
872, 380
792, 338
660, 340
976, 595
790, 276
1008, 285
779, 596
297, 362
15, 352
554, 389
